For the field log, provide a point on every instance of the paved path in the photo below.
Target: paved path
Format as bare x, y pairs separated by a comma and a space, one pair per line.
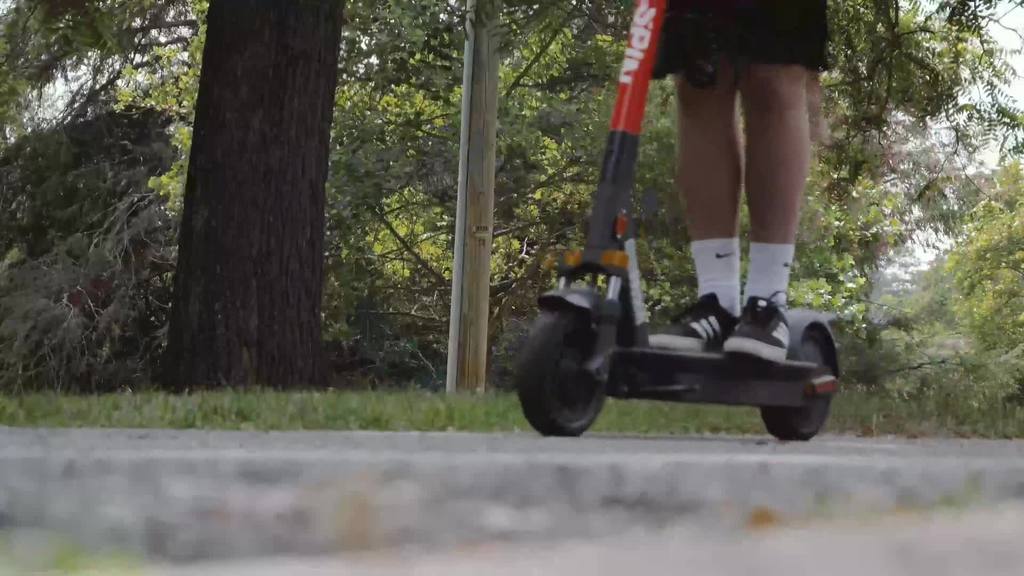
948, 543
187, 496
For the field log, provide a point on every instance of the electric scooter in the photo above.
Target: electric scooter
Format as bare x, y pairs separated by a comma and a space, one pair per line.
592, 338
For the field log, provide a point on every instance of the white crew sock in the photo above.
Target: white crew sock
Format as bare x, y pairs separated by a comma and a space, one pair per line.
768, 274
718, 270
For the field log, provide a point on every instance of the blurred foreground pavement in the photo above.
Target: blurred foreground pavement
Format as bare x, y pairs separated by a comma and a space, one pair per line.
937, 544
393, 502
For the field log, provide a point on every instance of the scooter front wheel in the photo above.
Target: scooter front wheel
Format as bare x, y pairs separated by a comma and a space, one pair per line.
559, 397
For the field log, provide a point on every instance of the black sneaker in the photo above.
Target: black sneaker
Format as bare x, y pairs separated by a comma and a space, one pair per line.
762, 332
702, 328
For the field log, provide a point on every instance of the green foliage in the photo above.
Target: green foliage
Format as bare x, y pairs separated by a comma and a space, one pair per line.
916, 90
882, 180
989, 271
90, 92
167, 81
84, 284
989, 264
955, 327
395, 166
64, 59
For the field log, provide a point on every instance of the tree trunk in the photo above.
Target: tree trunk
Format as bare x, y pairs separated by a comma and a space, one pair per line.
250, 261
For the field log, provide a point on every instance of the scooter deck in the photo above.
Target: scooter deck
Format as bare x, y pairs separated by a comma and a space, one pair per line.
704, 378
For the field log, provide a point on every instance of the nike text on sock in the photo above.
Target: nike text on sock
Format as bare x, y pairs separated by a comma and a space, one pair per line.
768, 274
718, 270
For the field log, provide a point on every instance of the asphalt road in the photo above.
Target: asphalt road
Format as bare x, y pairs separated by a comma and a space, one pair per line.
174, 496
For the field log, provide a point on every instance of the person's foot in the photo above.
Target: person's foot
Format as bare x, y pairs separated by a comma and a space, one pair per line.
762, 332
703, 327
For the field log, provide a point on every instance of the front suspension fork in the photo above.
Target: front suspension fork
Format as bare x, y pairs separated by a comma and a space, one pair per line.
608, 315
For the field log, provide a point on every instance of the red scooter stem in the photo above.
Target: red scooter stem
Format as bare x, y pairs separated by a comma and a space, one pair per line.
611, 201
638, 65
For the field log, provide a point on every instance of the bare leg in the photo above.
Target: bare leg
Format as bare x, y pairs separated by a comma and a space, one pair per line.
709, 184
709, 164
778, 149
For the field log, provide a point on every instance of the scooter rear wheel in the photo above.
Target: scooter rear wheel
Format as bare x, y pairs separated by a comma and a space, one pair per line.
803, 423
559, 398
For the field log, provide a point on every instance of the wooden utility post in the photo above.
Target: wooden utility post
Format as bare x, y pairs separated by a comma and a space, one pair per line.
471, 274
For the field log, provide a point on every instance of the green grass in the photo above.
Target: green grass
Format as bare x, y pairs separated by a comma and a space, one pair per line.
854, 412
44, 553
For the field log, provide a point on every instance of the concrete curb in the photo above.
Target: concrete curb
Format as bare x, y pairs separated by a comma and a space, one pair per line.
254, 495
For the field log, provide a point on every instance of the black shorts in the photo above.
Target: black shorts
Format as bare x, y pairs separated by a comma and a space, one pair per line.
699, 32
